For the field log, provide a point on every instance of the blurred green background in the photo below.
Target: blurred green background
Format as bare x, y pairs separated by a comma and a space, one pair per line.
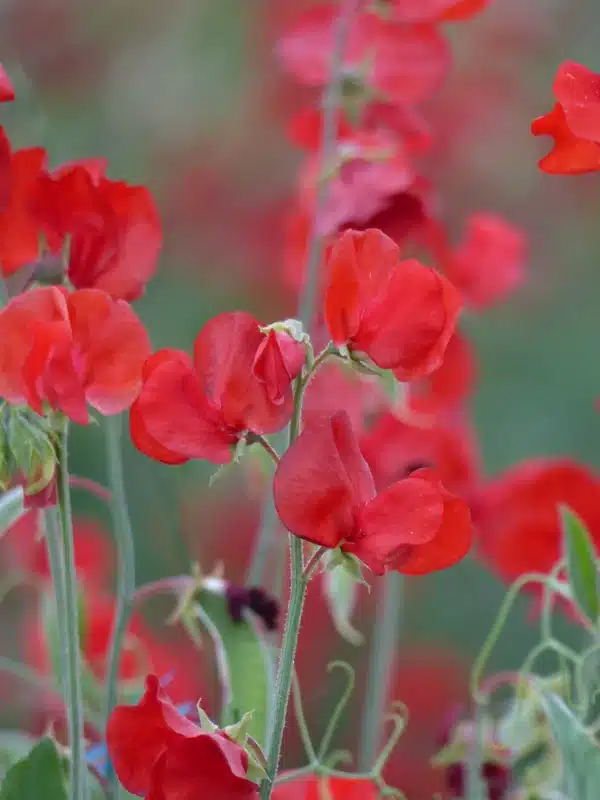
187, 97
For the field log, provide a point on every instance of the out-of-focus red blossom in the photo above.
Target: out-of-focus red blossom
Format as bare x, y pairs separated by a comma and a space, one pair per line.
200, 408
411, 11
400, 313
432, 681
336, 386
368, 170
315, 788
400, 64
393, 448
517, 514
570, 155
279, 359
447, 388
71, 349
324, 493
113, 228
577, 89
158, 753
27, 552
305, 129
19, 230
488, 264
143, 650
7, 90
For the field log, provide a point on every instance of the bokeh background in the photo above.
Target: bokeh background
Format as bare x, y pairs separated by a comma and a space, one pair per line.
188, 98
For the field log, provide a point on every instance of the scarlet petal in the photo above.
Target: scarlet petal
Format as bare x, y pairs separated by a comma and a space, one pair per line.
463, 10
408, 513
22, 355
137, 736
410, 325
448, 386
314, 787
224, 354
207, 765
113, 346
517, 518
452, 541
317, 481
342, 299
173, 420
570, 154
146, 444
269, 368
488, 264
7, 91
410, 61
577, 89
19, 228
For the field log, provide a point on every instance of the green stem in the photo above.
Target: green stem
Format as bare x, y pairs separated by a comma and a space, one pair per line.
57, 573
265, 542
286, 663
70, 614
4, 298
126, 567
388, 619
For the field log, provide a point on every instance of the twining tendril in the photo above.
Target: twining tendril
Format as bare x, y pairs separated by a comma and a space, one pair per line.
501, 619
340, 706
301, 720
398, 717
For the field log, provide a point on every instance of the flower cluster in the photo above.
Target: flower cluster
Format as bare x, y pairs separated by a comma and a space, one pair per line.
381, 474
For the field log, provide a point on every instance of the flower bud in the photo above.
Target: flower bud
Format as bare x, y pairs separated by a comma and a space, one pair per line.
27, 452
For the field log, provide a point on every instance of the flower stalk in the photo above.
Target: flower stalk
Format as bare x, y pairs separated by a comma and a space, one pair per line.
68, 626
126, 567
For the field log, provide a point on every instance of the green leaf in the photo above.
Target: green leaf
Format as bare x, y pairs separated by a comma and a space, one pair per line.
11, 508
244, 663
14, 745
581, 564
39, 774
580, 755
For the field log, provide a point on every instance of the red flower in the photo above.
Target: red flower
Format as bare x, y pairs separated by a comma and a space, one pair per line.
7, 91
338, 385
200, 409
447, 388
27, 550
394, 448
436, 10
305, 129
69, 350
19, 229
577, 89
370, 168
315, 788
400, 313
517, 514
113, 228
279, 359
401, 64
488, 264
159, 754
325, 493
570, 155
